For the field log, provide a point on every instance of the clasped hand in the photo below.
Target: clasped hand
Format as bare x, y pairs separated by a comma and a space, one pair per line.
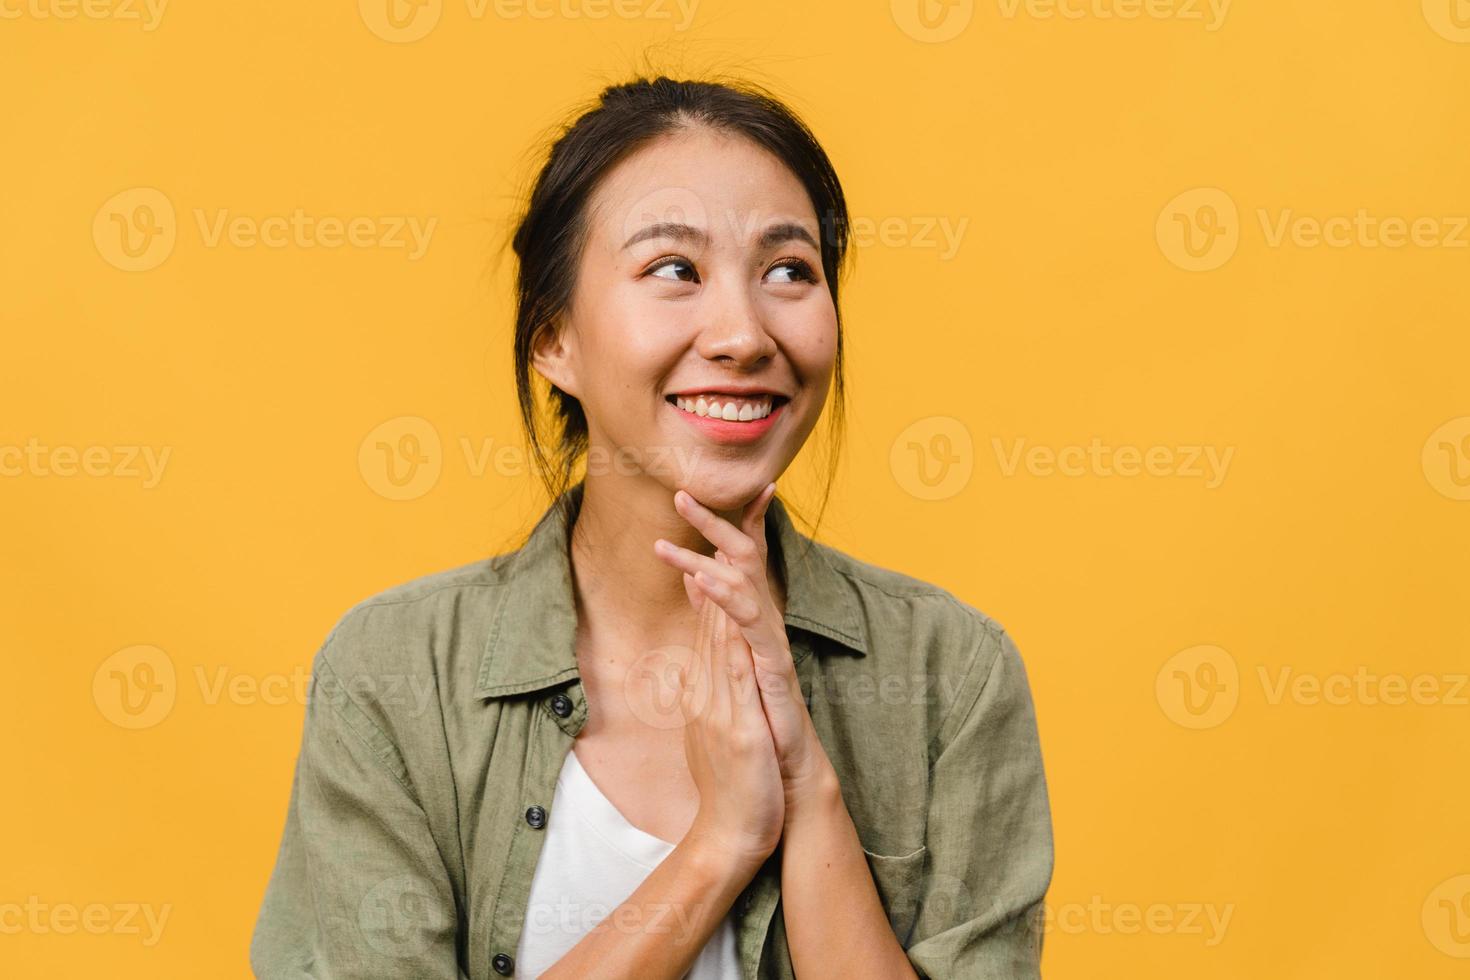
742, 684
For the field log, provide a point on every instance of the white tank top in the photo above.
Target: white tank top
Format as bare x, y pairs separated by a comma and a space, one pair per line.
591, 860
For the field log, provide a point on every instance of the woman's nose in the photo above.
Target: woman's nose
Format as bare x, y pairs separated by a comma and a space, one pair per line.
734, 328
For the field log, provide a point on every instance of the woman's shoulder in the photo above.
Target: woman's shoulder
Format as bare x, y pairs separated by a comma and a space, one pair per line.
401, 628
936, 677
913, 628
899, 607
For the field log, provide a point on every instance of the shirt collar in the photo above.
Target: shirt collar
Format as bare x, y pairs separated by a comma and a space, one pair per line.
532, 640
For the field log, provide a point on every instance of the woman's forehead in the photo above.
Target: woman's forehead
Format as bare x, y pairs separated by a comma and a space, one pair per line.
726, 186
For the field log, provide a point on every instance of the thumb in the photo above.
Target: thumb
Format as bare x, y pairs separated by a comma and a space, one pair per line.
754, 519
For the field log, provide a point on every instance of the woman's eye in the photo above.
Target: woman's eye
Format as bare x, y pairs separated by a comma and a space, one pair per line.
792, 270
675, 270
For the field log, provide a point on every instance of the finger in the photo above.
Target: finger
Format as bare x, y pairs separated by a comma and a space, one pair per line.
700, 663
686, 561
696, 597
720, 661
719, 532
692, 561
737, 602
745, 702
742, 674
778, 687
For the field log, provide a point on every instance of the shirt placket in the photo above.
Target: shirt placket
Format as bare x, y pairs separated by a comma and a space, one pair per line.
557, 716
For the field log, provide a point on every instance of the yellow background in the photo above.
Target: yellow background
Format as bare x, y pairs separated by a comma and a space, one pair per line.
1332, 834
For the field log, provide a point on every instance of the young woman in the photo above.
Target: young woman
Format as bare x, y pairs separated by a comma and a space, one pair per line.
669, 735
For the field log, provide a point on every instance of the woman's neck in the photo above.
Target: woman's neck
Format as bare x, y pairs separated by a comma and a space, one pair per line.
626, 593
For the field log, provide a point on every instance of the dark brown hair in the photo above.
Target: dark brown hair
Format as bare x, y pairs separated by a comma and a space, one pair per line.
552, 231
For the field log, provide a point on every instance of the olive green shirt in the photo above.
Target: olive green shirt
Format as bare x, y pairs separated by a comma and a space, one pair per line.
440, 713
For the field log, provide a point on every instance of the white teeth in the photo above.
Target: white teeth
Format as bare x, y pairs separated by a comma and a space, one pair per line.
731, 410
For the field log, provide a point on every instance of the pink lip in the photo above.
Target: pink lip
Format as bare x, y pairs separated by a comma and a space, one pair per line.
730, 433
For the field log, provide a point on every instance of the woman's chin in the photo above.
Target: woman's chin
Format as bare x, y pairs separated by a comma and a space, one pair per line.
726, 492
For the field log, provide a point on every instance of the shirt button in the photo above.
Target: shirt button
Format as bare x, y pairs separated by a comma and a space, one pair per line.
503, 964
561, 704
536, 816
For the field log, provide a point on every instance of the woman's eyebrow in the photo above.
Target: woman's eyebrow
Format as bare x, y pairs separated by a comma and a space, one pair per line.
676, 230
776, 234
785, 232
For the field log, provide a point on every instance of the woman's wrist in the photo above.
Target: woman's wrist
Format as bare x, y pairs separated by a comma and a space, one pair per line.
717, 864
813, 790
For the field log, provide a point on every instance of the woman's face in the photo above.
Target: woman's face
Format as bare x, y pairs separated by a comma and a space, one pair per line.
700, 284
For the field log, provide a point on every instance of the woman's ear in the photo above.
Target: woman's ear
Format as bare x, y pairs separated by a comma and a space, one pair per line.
552, 357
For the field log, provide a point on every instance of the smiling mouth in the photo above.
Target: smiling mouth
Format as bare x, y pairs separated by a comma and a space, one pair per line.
728, 408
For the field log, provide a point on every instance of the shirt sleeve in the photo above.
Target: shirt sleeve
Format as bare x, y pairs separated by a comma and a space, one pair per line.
989, 833
359, 887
